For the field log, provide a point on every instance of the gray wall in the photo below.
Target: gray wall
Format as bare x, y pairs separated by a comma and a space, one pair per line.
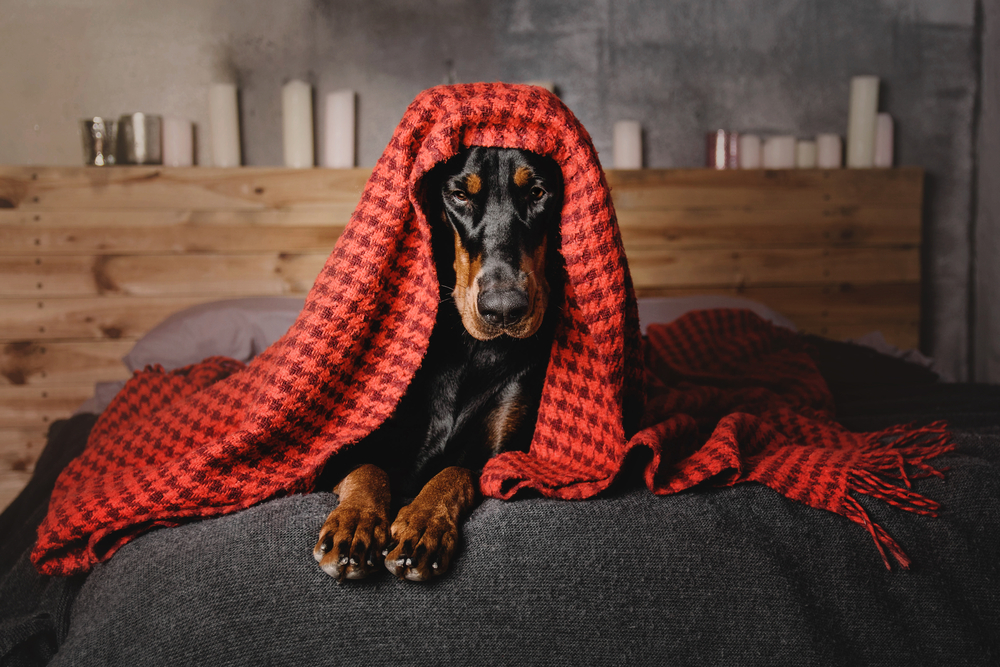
986, 285
681, 67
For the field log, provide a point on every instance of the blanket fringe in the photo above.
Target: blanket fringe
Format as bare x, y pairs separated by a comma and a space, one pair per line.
888, 454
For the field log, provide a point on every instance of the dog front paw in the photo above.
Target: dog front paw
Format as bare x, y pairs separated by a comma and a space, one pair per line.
351, 543
423, 542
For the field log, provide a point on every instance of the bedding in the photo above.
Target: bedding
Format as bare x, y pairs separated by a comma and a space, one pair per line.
716, 575
735, 575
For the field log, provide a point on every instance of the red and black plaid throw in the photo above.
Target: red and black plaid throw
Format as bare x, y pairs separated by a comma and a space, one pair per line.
730, 398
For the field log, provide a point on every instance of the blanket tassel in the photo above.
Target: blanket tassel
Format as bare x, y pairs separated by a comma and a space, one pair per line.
889, 453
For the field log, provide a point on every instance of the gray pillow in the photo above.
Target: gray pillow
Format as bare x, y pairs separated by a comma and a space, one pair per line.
237, 328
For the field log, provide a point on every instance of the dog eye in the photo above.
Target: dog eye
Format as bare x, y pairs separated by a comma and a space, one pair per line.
537, 193
459, 195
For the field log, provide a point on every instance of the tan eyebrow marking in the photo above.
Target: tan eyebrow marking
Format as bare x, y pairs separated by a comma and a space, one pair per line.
522, 176
473, 183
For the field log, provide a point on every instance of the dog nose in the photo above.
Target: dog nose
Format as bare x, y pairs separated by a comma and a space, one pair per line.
502, 307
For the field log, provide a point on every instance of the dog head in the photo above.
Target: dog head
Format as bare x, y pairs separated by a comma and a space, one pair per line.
501, 208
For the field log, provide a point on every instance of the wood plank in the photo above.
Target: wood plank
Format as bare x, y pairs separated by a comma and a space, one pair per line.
284, 273
698, 268
759, 228
765, 188
20, 447
253, 187
156, 239
53, 363
307, 215
96, 317
31, 407
158, 232
74, 188
160, 275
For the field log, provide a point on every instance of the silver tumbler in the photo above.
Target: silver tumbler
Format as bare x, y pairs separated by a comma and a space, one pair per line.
100, 141
140, 139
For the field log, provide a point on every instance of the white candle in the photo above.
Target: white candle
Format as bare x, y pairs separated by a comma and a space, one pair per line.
297, 124
628, 145
829, 151
224, 124
779, 152
722, 149
861, 122
339, 125
178, 142
883, 141
749, 152
805, 155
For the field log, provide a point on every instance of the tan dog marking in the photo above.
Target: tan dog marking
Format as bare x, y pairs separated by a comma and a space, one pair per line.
522, 176
504, 421
353, 538
473, 184
466, 293
533, 266
426, 531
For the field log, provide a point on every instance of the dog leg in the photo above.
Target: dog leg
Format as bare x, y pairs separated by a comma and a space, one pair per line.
352, 541
425, 533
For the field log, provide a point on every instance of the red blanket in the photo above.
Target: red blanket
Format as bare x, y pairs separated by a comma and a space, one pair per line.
730, 398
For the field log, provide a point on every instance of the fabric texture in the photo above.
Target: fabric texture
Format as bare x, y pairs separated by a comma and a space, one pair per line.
733, 576
218, 438
732, 397
627, 578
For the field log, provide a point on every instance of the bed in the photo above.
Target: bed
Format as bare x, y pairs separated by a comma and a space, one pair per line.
710, 576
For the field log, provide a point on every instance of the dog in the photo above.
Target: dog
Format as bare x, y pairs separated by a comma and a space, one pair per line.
494, 216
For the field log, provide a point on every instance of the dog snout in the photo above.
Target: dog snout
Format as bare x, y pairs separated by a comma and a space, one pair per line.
502, 307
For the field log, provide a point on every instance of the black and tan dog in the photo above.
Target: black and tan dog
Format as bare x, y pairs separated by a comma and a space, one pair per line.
495, 216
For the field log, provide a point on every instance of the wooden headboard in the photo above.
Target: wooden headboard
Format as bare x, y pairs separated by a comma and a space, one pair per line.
92, 258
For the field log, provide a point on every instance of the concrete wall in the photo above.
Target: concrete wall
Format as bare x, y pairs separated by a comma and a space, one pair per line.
986, 239
680, 67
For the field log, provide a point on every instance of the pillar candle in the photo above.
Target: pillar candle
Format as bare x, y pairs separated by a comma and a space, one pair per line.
829, 151
749, 151
224, 124
861, 122
805, 154
178, 142
297, 124
628, 145
779, 152
722, 149
339, 126
883, 141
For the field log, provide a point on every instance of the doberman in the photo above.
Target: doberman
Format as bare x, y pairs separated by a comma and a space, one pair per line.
494, 216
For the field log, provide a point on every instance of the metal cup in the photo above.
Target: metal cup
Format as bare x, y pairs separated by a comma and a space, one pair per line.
140, 139
100, 137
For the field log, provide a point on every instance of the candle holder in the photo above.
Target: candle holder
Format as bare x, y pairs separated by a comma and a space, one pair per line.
140, 139
100, 141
